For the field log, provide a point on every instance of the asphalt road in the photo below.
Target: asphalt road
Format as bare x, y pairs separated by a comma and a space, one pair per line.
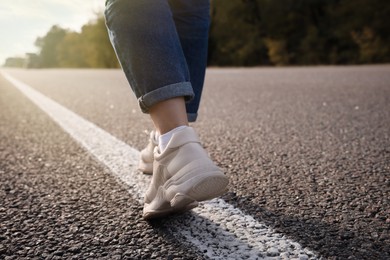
307, 152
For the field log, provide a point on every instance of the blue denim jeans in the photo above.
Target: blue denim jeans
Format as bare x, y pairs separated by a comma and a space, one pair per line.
162, 48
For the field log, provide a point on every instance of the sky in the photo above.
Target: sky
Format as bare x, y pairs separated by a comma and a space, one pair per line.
22, 21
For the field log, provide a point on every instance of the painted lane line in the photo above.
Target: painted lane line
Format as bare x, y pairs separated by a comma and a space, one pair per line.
217, 229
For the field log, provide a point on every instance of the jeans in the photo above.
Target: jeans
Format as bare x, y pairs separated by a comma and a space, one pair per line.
162, 48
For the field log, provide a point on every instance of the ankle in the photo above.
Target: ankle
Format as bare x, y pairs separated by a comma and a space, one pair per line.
169, 114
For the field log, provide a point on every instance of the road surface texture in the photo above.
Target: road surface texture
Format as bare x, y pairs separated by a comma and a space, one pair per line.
307, 152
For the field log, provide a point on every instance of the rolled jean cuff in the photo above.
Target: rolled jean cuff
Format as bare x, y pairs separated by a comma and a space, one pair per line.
181, 89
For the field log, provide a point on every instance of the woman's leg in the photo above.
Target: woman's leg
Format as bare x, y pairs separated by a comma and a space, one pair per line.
192, 20
144, 36
169, 114
145, 39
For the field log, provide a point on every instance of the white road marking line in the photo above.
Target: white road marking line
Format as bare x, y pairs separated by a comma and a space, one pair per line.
216, 228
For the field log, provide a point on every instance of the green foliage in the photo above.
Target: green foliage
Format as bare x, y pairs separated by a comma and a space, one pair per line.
371, 46
48, 45
284, 32
71, 51
277, 51
250, 33
90, 48
235, 37
100, 53
15, 62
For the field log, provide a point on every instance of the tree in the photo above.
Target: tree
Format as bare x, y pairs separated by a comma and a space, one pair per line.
360, 30
71, 51
98, 52
48, 44
251, 33
281, 32
16, 62
90, 48
235, 34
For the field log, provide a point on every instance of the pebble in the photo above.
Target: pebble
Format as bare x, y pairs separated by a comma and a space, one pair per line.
303, 257
272, 251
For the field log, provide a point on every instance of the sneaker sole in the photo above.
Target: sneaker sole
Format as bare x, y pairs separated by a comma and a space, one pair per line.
183, 204
185, 196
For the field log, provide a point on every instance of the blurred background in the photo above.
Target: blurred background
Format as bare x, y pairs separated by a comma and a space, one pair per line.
243, 33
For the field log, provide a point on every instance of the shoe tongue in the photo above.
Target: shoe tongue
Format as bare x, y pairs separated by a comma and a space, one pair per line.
187, 135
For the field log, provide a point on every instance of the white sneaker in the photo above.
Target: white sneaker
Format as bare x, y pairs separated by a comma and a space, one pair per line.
145, 164
183, 175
